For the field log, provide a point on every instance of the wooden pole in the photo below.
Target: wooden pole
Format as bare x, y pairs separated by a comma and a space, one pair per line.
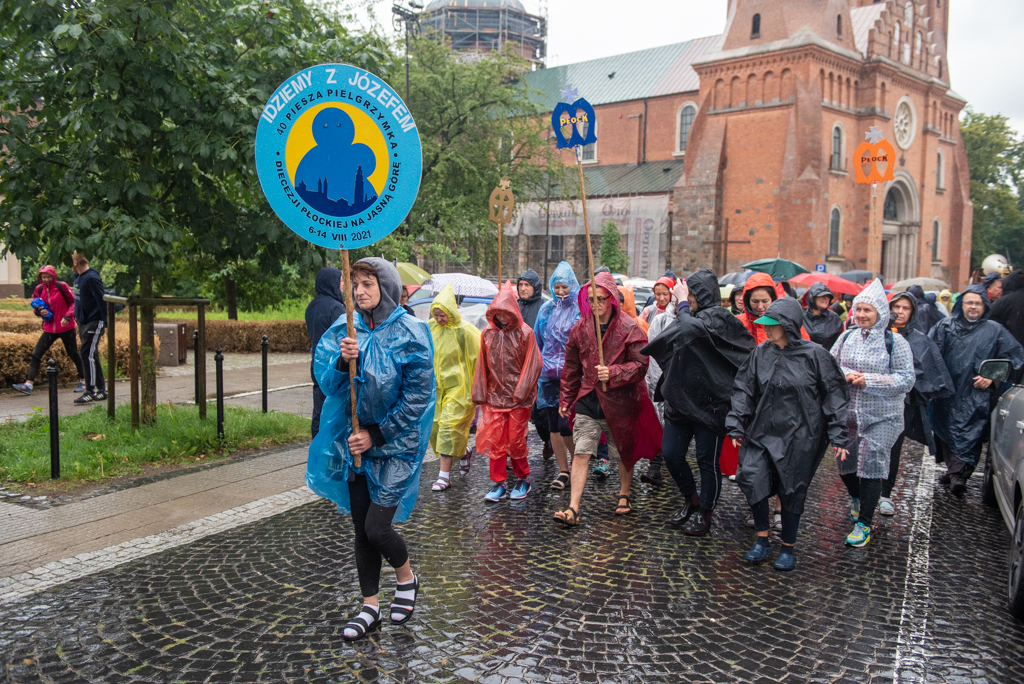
590, 263
500, 231
353, 365
133, 362
111, 362
201, 361
876, 249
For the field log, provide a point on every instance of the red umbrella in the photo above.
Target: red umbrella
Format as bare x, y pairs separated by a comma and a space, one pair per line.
835, 283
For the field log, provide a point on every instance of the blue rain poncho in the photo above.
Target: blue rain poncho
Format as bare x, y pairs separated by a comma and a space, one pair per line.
396, 394
554, 323
875, 414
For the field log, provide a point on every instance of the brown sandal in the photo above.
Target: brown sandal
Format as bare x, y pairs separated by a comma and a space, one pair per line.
570, 517
624, 510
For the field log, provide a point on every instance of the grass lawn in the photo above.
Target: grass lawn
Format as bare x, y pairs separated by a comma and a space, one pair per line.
93, 448
288, 310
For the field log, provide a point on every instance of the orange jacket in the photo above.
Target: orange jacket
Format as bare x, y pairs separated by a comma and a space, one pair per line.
756, 330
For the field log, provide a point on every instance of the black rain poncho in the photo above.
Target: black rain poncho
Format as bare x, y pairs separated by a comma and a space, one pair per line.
932, 380
787, 405
925, 314
327, 307
823, 327
699, 355
1008, 310
529, 308
960, 420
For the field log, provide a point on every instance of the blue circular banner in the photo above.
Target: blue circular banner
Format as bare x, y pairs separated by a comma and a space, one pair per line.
338, 156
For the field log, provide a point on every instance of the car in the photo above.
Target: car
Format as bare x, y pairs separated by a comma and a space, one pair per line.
1003, 480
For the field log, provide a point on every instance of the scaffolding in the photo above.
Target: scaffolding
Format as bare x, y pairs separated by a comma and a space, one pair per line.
477, 27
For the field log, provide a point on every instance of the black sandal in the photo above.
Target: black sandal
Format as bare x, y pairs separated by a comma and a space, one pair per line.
560, 481
628, 506
360, 625
403, 606
570, 517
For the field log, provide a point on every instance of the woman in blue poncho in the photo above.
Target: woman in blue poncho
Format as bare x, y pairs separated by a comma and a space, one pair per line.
396, 391
554, 322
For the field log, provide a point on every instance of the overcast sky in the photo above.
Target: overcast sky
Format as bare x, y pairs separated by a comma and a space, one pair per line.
985, 43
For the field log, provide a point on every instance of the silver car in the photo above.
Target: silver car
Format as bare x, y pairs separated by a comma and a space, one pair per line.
1003, 482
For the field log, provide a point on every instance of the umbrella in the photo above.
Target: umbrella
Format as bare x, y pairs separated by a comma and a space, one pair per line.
835, 283
925, 283
778, 268
464, 284
857, 276
411, 274
737, 278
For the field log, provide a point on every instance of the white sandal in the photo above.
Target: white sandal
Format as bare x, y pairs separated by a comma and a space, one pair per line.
440, 485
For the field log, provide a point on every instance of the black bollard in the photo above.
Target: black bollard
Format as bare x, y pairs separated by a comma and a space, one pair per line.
51, 374
264, 344
218, 360
195, 361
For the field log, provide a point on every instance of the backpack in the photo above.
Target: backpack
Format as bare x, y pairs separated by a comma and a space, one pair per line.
889, 343
62, 287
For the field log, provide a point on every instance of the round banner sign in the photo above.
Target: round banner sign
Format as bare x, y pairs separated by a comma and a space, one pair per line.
338, 156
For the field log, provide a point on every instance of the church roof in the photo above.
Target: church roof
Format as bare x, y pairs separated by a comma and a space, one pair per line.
633, 76
618, 180
864, 19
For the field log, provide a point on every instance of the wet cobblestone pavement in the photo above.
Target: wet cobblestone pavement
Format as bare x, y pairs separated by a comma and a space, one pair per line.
509, 596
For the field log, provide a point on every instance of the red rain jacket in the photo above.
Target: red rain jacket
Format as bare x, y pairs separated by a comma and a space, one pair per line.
60, 302
509, 364
756, 330
626, 405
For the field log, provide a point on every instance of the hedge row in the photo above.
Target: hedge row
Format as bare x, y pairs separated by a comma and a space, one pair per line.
245, 336
16, 352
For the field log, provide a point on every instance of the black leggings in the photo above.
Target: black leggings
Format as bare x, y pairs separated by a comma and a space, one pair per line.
790, 521
894, 466
375, 538
867, 491
46, 341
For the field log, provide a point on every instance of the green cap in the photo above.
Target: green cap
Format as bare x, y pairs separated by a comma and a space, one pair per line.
767, 320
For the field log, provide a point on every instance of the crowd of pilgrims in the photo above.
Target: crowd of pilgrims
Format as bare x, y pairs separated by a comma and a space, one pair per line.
762, 384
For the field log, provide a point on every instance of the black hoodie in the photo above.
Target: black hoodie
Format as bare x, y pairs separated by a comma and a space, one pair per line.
925, 315
699, 355
530, 307
327, 305
825, 326
1008, 310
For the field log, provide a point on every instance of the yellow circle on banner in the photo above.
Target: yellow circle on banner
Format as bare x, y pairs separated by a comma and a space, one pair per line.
301, 141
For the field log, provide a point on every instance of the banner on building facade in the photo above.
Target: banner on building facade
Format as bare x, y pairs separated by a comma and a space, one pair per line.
643, 221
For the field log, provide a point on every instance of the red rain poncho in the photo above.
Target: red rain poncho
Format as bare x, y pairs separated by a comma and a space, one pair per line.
626, 406
629, 306
507, 371
747, 318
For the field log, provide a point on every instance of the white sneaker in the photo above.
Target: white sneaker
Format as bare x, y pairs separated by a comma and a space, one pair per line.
732, 478
885, 506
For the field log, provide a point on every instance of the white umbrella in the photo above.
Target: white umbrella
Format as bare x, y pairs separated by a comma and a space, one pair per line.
925, 283
464, 284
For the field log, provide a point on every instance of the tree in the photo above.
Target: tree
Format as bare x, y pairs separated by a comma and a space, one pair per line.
128, 128
477, 124
610, 254
996, 157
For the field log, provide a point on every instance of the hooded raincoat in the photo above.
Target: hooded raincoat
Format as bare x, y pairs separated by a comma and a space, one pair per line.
787, 405
627, 408
554, 323
748, 317
652, 311
658, 326
824, 326
931, 379
700, 354
925, 314
1008, 310
529, 308
506, 376
961, 420
327, 307
456, 346
875, 416
629, 306
59, 299
396, 396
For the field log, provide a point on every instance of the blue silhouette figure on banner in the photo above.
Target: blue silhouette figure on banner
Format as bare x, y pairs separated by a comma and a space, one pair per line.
336, 167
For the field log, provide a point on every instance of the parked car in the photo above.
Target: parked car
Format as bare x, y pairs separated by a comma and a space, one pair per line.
1003, 481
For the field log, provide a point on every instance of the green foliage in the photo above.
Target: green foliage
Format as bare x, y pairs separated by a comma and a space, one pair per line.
995, 154
178, 437
610, 254
285, 310
477, 125
128, 127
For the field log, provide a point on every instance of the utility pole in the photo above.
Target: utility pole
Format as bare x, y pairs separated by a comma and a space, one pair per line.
407, 17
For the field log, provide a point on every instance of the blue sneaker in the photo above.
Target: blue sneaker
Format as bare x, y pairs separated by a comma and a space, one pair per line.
23, 387
80, 387
786, 560
496, 493
601, 469
520, 491
860, 536
855, 509
761, 549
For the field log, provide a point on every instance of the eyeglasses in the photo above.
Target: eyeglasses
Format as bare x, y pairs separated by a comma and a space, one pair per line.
602, 300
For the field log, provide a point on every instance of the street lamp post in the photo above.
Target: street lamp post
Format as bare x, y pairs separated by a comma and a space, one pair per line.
407, 17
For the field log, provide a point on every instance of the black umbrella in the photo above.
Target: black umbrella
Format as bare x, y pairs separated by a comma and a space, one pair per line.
857, 276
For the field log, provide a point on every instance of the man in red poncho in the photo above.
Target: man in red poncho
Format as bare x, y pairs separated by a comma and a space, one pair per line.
505, 387
610, 398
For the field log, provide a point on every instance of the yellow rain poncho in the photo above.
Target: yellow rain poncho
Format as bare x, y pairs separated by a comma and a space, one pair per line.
456, 347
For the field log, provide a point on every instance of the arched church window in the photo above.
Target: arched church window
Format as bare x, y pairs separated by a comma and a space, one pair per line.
755, 26
940, 173
936, 229
940, 68
837, 148
890, 211
834, 227
896, 35
839, 25
686, 116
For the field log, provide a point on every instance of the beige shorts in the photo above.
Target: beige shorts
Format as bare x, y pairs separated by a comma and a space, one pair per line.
586, 433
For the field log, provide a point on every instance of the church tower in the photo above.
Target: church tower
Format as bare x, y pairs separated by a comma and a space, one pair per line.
359, 197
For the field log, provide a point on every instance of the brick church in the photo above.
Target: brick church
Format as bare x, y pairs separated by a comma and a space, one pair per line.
721, 150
